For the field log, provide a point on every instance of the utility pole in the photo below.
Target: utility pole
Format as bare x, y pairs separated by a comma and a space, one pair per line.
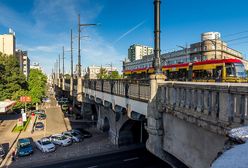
79, 37
71, 56
157, 64
63, 57
59, 65
79, 56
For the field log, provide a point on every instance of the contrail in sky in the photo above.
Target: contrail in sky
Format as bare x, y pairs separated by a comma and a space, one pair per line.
129, 31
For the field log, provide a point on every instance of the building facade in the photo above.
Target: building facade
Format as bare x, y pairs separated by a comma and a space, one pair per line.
210, 47
24, 62
136, 52
92, 71
36, 65
8, 43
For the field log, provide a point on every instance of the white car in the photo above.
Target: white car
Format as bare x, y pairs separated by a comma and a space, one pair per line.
45, 145
76, 137
60, 139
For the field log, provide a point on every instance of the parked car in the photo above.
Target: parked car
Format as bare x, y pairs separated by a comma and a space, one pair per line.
24, 147
39, 126
83, 132
45, 145
76, 137
39, 111
46, 99
63, 100
60, 139
42, 116
2, 152
65, 107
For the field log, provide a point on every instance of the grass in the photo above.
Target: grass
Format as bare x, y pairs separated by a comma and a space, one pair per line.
21, 128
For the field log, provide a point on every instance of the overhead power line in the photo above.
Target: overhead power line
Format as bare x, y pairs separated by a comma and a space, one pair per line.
234, 34
240, 38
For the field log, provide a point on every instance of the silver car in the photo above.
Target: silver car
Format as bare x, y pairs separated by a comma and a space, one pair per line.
60, 139
76, 137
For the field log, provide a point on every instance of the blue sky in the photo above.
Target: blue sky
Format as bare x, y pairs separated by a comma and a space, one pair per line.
43, 26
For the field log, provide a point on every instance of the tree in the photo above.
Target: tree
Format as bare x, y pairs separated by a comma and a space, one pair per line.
114, 75
103, 74
11, 78
36, 85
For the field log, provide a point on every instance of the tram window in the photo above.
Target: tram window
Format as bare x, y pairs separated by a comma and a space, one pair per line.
230, 70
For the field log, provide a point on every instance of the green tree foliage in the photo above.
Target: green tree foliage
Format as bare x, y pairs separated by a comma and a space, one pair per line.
103, 74
114, 75
36, 85
67, 76
11, 78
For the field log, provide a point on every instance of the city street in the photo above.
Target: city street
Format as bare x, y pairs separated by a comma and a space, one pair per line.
56, 123
134, 158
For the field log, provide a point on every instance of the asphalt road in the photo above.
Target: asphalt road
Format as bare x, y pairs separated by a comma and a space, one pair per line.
137, 158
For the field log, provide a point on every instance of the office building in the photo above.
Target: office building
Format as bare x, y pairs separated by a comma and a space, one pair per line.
136, 52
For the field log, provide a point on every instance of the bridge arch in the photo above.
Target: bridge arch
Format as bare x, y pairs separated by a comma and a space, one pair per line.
132, 132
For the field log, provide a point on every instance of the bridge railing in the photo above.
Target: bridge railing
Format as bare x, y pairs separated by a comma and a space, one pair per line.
139, 90
218, 103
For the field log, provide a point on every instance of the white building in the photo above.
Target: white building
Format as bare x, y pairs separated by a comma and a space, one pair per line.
92, 71
36, 65
136, 52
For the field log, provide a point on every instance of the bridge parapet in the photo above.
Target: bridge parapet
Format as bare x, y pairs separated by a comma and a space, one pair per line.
137, 90
214, 106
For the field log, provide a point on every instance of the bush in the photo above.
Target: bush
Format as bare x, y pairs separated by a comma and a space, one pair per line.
22, 128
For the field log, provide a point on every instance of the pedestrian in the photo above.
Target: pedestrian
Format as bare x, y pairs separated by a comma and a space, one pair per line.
13, 155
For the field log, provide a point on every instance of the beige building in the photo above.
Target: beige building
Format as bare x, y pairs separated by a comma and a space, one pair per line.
92, 71
136, 52
8, 43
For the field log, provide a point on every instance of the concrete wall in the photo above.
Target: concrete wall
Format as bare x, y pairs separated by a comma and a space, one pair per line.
193, 145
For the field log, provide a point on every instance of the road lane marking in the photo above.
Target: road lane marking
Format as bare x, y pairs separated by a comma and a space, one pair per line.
93, 166
130, 159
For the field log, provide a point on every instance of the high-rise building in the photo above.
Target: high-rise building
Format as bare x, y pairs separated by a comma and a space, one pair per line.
24, 61
136, 52
7, 43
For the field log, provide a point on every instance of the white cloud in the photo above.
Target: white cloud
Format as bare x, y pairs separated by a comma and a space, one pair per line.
44, 44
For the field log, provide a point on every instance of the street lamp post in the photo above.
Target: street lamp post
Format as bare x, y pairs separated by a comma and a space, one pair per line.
157, 63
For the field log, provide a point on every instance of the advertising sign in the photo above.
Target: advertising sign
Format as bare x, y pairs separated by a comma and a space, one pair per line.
25, 99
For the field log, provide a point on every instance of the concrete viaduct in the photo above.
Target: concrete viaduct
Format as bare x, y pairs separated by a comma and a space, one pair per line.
183, 123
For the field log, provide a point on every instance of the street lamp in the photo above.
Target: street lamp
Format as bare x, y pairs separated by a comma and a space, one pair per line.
156, 62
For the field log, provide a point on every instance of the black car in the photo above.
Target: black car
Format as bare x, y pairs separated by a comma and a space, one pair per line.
2, 152
83, 132
39, 126
42, 117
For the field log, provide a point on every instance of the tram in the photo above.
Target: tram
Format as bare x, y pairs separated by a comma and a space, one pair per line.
224, 70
